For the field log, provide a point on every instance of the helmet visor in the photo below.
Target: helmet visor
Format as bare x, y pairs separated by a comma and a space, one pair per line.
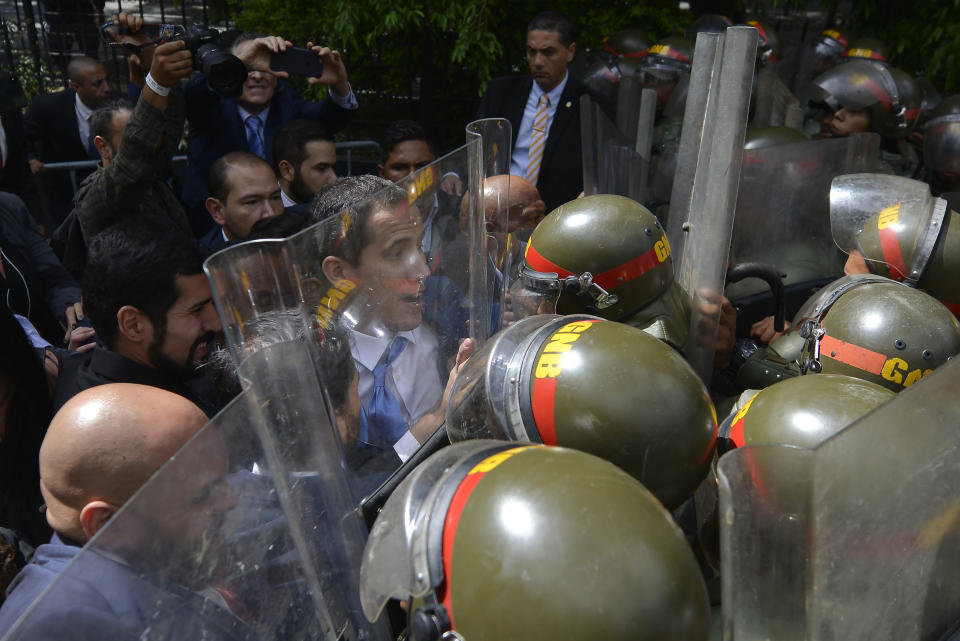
888, 220
534, 293
941, 144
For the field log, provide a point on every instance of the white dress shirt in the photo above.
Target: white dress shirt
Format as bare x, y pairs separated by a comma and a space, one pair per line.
83, 121
521, 150
413, 378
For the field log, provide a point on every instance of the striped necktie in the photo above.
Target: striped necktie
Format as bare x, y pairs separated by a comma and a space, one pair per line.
255, 136
538, 139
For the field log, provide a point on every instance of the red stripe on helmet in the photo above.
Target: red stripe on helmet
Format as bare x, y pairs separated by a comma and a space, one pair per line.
450, 524
544, 403
852, 355
911, 114
667, 52
890, 246
608, 279
953, 307
873, 55
736, 432
635, 54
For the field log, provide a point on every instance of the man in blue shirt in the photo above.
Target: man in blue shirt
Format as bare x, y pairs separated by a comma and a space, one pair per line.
544, 111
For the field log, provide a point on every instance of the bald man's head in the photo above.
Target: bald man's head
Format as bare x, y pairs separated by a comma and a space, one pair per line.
103, 445
525, 206
88, 78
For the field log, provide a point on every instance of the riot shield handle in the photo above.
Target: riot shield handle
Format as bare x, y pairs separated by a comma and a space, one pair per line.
774, 280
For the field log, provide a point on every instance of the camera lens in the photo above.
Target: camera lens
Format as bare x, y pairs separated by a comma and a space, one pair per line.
225, 72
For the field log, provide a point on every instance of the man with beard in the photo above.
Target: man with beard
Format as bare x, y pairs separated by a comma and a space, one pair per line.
304, 157
150, 304
243, 190
100, 448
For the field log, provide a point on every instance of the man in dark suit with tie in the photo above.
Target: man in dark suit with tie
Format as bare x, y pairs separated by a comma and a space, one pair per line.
57, 129
250, 122
544, 111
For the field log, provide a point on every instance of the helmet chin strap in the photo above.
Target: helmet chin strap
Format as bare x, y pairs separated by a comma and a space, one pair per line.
583, 285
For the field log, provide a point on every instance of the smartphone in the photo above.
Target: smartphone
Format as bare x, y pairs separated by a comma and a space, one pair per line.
297, 61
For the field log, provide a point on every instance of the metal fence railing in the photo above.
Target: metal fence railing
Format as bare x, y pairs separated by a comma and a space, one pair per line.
369, 151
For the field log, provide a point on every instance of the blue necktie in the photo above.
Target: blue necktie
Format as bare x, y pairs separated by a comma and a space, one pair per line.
255, 136
381, 418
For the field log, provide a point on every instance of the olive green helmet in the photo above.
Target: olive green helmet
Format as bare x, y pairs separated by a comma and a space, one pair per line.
768, 42
669, 57
489, 541
628, 43
802, 411
941, 137
563, 380
608, 256
878, 330
900, 230
892, 95
866, 49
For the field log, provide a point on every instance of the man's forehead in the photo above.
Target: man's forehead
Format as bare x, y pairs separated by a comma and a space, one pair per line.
320, 148
391, 222
193, 288
251, 179
540, 39
417, 151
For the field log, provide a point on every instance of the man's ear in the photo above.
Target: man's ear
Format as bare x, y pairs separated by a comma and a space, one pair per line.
286, 170
133, 324
103, 148
572, 50
380, 171
336, 269
74, 85
217, 210
95, 515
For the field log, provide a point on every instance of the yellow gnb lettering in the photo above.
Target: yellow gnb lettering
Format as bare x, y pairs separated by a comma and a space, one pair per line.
888, 216
662, 248
331, 301
548, 366
894, 369
421, 183
859, 53
489, 463
659, 49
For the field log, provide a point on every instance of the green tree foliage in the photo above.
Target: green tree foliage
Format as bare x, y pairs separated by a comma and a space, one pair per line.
461, 41
923, 36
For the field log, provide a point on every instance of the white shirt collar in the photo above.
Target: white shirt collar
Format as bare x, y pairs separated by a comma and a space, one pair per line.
369, 349
244, 114
555, 93
287, 200
83, 111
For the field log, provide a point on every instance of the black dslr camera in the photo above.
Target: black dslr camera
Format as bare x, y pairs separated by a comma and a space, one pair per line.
224, 71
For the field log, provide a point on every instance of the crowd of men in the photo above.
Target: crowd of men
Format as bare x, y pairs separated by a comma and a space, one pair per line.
115, 350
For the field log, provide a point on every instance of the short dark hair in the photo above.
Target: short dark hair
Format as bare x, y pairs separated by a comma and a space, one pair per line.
285, 224
556, 22
135, 262
101, 120
353, 194
218, 183
292, 138
400, 131
80, 64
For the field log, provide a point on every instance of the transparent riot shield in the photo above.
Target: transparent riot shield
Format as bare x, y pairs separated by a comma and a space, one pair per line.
775, 105
612, 161
783, 208
897, 216
400, 278
706, 180
248, 532
941, 144
857, 539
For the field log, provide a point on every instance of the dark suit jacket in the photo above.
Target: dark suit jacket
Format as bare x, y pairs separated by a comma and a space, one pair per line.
216, 129
52, 135
80, 371
561, 172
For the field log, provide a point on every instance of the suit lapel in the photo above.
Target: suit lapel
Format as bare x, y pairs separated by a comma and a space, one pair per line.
564, 117
71, 128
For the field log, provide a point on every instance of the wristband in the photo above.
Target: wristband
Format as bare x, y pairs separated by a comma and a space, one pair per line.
156, 87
